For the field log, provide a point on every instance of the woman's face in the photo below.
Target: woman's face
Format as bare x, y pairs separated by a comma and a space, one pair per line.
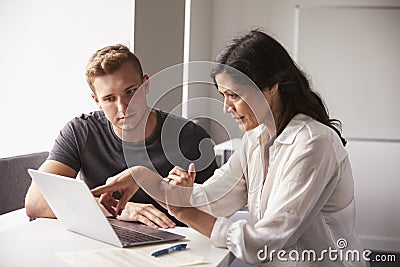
247, 105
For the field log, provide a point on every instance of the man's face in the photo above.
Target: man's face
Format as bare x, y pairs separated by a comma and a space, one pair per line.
113, 94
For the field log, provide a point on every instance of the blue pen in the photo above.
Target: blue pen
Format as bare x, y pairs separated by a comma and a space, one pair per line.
169, 250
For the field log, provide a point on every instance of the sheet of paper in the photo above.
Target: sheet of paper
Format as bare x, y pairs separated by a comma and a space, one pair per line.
128, 257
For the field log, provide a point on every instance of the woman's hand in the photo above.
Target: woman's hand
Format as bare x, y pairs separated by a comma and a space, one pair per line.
179, 189
122, 183
178, 176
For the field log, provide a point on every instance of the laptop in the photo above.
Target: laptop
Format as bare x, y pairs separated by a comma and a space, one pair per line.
77, 210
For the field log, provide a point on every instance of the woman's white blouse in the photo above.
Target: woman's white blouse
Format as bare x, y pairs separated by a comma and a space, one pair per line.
299, 192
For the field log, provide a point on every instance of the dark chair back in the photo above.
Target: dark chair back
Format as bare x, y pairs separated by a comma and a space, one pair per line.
15, 180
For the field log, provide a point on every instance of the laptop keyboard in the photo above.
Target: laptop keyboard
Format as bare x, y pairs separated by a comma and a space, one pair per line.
130, 236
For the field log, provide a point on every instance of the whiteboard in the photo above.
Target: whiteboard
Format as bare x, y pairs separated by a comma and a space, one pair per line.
352, 55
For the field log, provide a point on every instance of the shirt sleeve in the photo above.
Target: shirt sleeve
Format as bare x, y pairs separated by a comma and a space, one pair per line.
309, 178
66, 148
226, 191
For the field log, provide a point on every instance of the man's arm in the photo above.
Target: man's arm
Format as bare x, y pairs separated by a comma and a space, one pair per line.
35, 204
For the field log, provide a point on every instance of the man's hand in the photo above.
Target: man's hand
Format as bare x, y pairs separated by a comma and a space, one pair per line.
147, 214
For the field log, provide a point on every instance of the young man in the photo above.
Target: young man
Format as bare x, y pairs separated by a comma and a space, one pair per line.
125, 132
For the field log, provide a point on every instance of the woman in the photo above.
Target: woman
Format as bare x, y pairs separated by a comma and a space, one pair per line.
292, 170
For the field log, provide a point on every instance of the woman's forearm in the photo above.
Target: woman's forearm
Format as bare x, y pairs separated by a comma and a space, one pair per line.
193, 217
197, 219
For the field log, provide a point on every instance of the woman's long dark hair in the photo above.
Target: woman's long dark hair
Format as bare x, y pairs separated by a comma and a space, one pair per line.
267, 63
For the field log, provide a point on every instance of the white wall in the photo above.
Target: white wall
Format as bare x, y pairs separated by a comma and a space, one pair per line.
159, 31
352, 54
44, 48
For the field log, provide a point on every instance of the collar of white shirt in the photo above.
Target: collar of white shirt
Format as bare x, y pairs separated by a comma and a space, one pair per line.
293, 128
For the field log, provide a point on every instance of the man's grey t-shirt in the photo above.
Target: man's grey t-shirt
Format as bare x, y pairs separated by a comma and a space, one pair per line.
89, 145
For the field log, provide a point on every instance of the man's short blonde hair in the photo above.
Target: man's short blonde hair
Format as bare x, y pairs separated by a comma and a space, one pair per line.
108, 60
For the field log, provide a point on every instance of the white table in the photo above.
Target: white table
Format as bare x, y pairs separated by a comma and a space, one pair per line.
36, 243
13, 219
